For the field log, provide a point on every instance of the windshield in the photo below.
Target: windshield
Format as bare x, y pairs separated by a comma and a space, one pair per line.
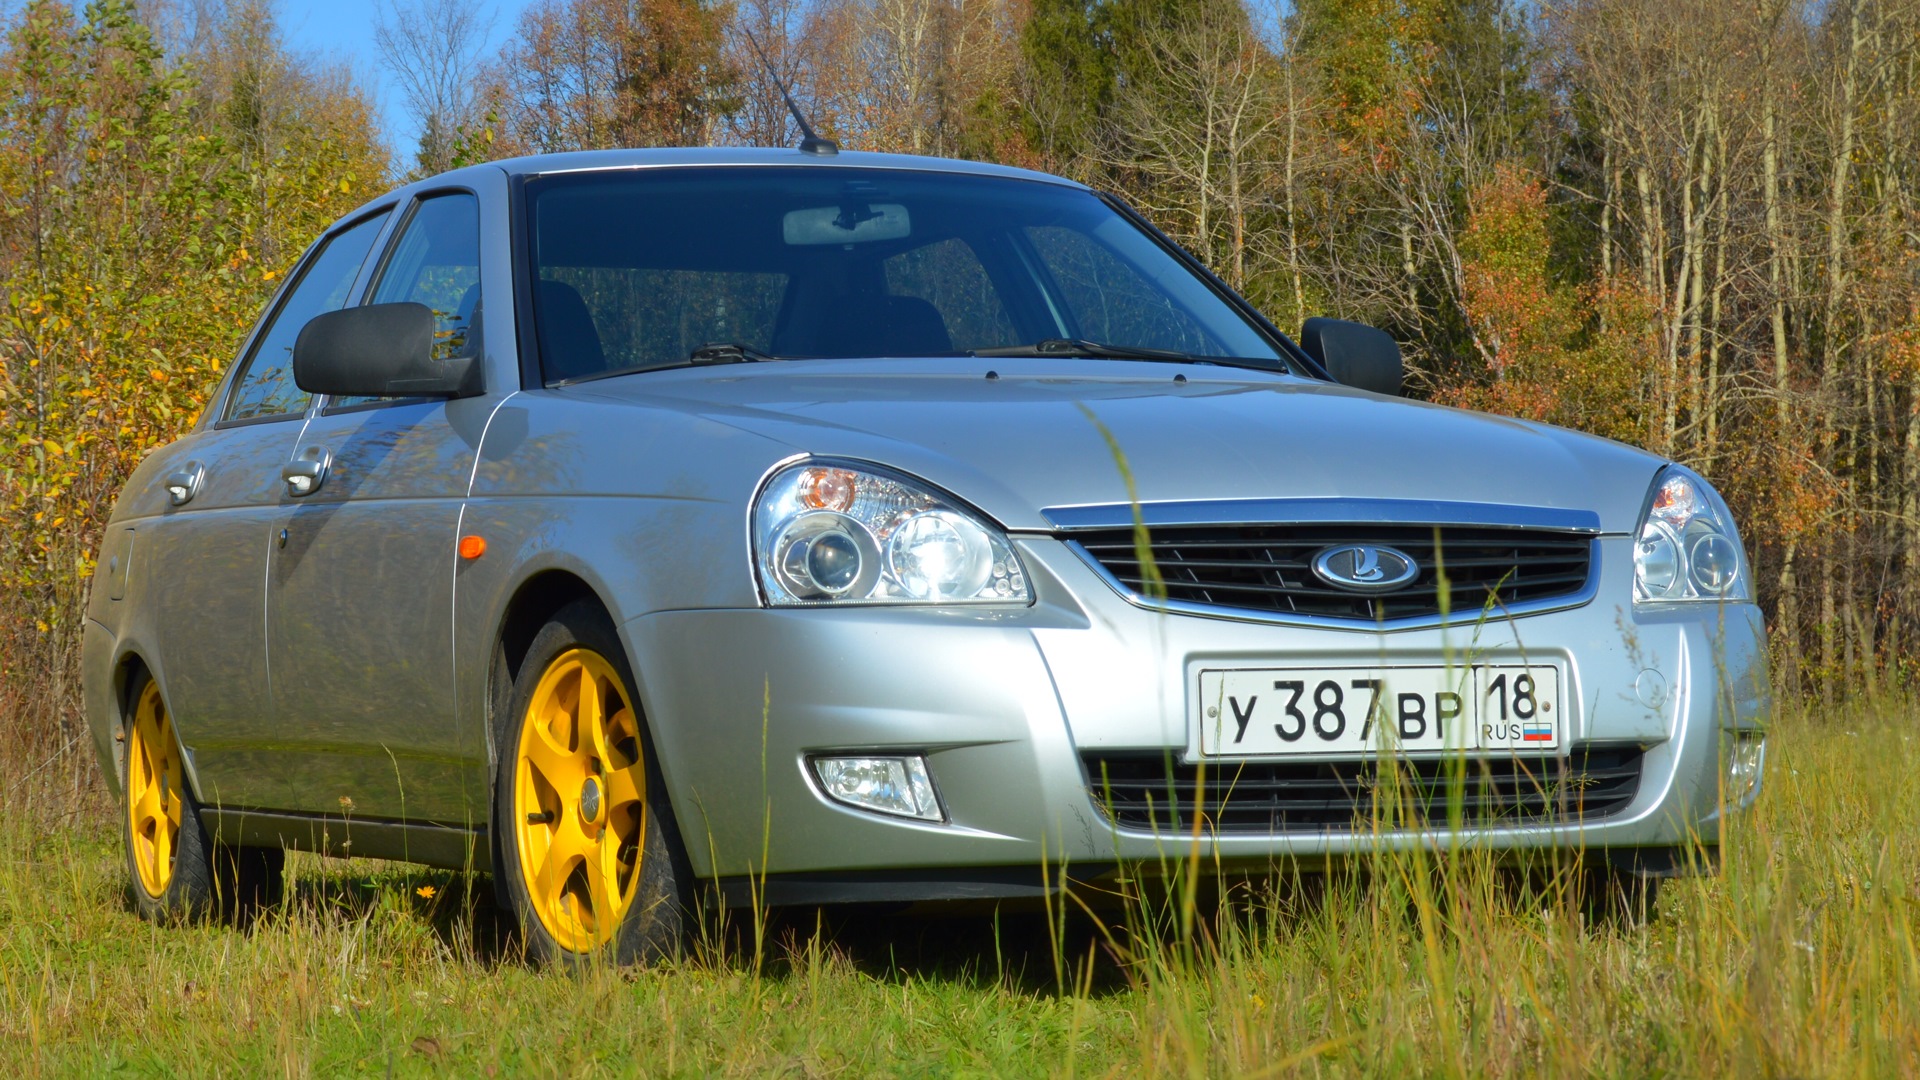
645, 269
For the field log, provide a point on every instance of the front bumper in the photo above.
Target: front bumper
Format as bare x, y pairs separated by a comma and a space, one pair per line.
1004, 703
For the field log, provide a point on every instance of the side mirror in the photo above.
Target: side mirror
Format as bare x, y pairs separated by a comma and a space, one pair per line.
377, 350
1354, 354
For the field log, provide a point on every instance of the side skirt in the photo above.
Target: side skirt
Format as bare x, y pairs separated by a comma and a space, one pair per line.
447, 846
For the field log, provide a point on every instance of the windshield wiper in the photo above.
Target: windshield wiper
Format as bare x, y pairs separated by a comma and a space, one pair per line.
1082, 347
728, 352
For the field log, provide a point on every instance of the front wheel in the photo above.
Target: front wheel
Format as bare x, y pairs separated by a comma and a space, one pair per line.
178, 872
588, 849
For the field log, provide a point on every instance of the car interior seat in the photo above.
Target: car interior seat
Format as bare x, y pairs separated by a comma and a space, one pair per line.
569, 340
881, 326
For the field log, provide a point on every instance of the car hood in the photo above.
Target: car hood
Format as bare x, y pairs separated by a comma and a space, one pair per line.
1016, 437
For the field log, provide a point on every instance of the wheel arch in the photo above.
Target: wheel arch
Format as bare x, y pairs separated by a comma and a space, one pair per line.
127, 668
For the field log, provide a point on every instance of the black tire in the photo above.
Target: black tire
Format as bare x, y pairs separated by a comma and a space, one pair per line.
193, 878
656, 922
252, 881
1612, 897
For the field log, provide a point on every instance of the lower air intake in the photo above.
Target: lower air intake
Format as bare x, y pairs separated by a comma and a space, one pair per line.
1150, 790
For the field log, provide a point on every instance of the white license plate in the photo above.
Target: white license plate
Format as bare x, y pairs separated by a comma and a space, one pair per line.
1333, 711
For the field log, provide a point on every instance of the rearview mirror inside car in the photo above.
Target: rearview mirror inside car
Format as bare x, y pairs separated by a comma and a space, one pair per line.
1355, 354
853, 223
378, 350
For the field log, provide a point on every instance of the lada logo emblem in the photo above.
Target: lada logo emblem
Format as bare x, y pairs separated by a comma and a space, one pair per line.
1367, 568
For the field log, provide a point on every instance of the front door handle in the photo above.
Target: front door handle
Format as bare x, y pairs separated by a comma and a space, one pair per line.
184, 483
307, 472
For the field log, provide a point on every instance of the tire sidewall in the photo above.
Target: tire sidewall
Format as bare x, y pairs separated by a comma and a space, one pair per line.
657, 924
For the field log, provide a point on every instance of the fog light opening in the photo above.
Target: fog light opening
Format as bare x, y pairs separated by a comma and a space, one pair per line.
900, 786
1745, 759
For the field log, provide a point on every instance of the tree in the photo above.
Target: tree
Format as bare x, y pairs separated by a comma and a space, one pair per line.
591, 74
433, 49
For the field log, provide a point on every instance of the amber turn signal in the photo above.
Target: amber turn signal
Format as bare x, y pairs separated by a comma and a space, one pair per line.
472, 547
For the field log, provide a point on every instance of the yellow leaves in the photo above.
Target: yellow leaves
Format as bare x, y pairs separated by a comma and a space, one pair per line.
158, 375
346, 185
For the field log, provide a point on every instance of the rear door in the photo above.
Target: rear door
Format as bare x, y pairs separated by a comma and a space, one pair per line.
360, 586
208, 560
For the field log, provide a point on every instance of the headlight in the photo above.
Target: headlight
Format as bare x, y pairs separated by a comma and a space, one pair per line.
1687, 548
827, 533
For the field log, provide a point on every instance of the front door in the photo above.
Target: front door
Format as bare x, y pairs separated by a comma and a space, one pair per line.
209, 552
360, 588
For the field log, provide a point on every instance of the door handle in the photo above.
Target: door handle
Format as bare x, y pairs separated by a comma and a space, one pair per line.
307, 472
184, 483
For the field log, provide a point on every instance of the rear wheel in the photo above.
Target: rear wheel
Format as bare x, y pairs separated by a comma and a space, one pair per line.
178, 872
588, 847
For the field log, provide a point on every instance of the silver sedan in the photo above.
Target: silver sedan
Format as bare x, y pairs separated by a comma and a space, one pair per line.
792, 527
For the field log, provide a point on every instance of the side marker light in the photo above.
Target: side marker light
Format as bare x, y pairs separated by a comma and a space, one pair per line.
472, 547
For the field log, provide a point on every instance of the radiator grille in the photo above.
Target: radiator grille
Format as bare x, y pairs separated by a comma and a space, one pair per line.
1268, 568
1151, 790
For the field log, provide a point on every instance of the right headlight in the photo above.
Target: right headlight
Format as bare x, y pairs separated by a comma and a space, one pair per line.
849, 533
1687, 549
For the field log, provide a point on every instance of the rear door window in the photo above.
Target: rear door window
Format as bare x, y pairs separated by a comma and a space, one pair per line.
265, 386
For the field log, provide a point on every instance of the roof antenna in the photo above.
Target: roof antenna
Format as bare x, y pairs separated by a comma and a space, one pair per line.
809, 142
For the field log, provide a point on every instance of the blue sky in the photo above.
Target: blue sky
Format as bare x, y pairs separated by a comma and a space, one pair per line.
342, 30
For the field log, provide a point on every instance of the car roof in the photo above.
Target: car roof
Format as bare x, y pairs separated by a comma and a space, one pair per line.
589, 160
679, 157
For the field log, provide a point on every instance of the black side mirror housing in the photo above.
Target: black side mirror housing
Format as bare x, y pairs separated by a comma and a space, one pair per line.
1355, 354
378, 350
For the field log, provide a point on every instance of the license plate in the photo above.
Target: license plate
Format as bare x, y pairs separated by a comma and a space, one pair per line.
1355, 711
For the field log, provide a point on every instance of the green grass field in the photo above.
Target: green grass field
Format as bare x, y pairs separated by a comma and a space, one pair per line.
1799, 960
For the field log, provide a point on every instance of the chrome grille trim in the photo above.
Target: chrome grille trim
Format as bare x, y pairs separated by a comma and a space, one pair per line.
1570, 590
1070, 519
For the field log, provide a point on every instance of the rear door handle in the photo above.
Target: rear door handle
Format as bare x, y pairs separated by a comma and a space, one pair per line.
306, 473
184, 483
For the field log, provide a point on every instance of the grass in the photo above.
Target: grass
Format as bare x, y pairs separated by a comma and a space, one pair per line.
1799, 960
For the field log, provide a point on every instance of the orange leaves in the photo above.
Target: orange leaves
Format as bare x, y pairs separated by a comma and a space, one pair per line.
1553, 353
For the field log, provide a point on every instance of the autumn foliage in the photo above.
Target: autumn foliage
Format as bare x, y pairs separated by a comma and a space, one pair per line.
150, 203
1682, 224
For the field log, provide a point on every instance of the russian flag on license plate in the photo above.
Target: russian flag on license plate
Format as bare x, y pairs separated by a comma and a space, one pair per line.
1536, 733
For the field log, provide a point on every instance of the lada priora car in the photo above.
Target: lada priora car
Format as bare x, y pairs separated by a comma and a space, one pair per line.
808, 528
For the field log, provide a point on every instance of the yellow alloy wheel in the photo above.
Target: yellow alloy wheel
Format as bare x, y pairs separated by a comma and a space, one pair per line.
579, 800
153, 793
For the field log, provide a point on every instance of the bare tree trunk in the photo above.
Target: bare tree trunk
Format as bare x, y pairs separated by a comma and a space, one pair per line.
1776, 241
1293, 213
1839, 179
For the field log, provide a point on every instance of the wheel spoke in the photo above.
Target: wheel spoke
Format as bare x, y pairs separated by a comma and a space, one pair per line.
550, 877
603, 884
621, 728
592, 714
146, 806
557, 765
162, 852
623, 789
